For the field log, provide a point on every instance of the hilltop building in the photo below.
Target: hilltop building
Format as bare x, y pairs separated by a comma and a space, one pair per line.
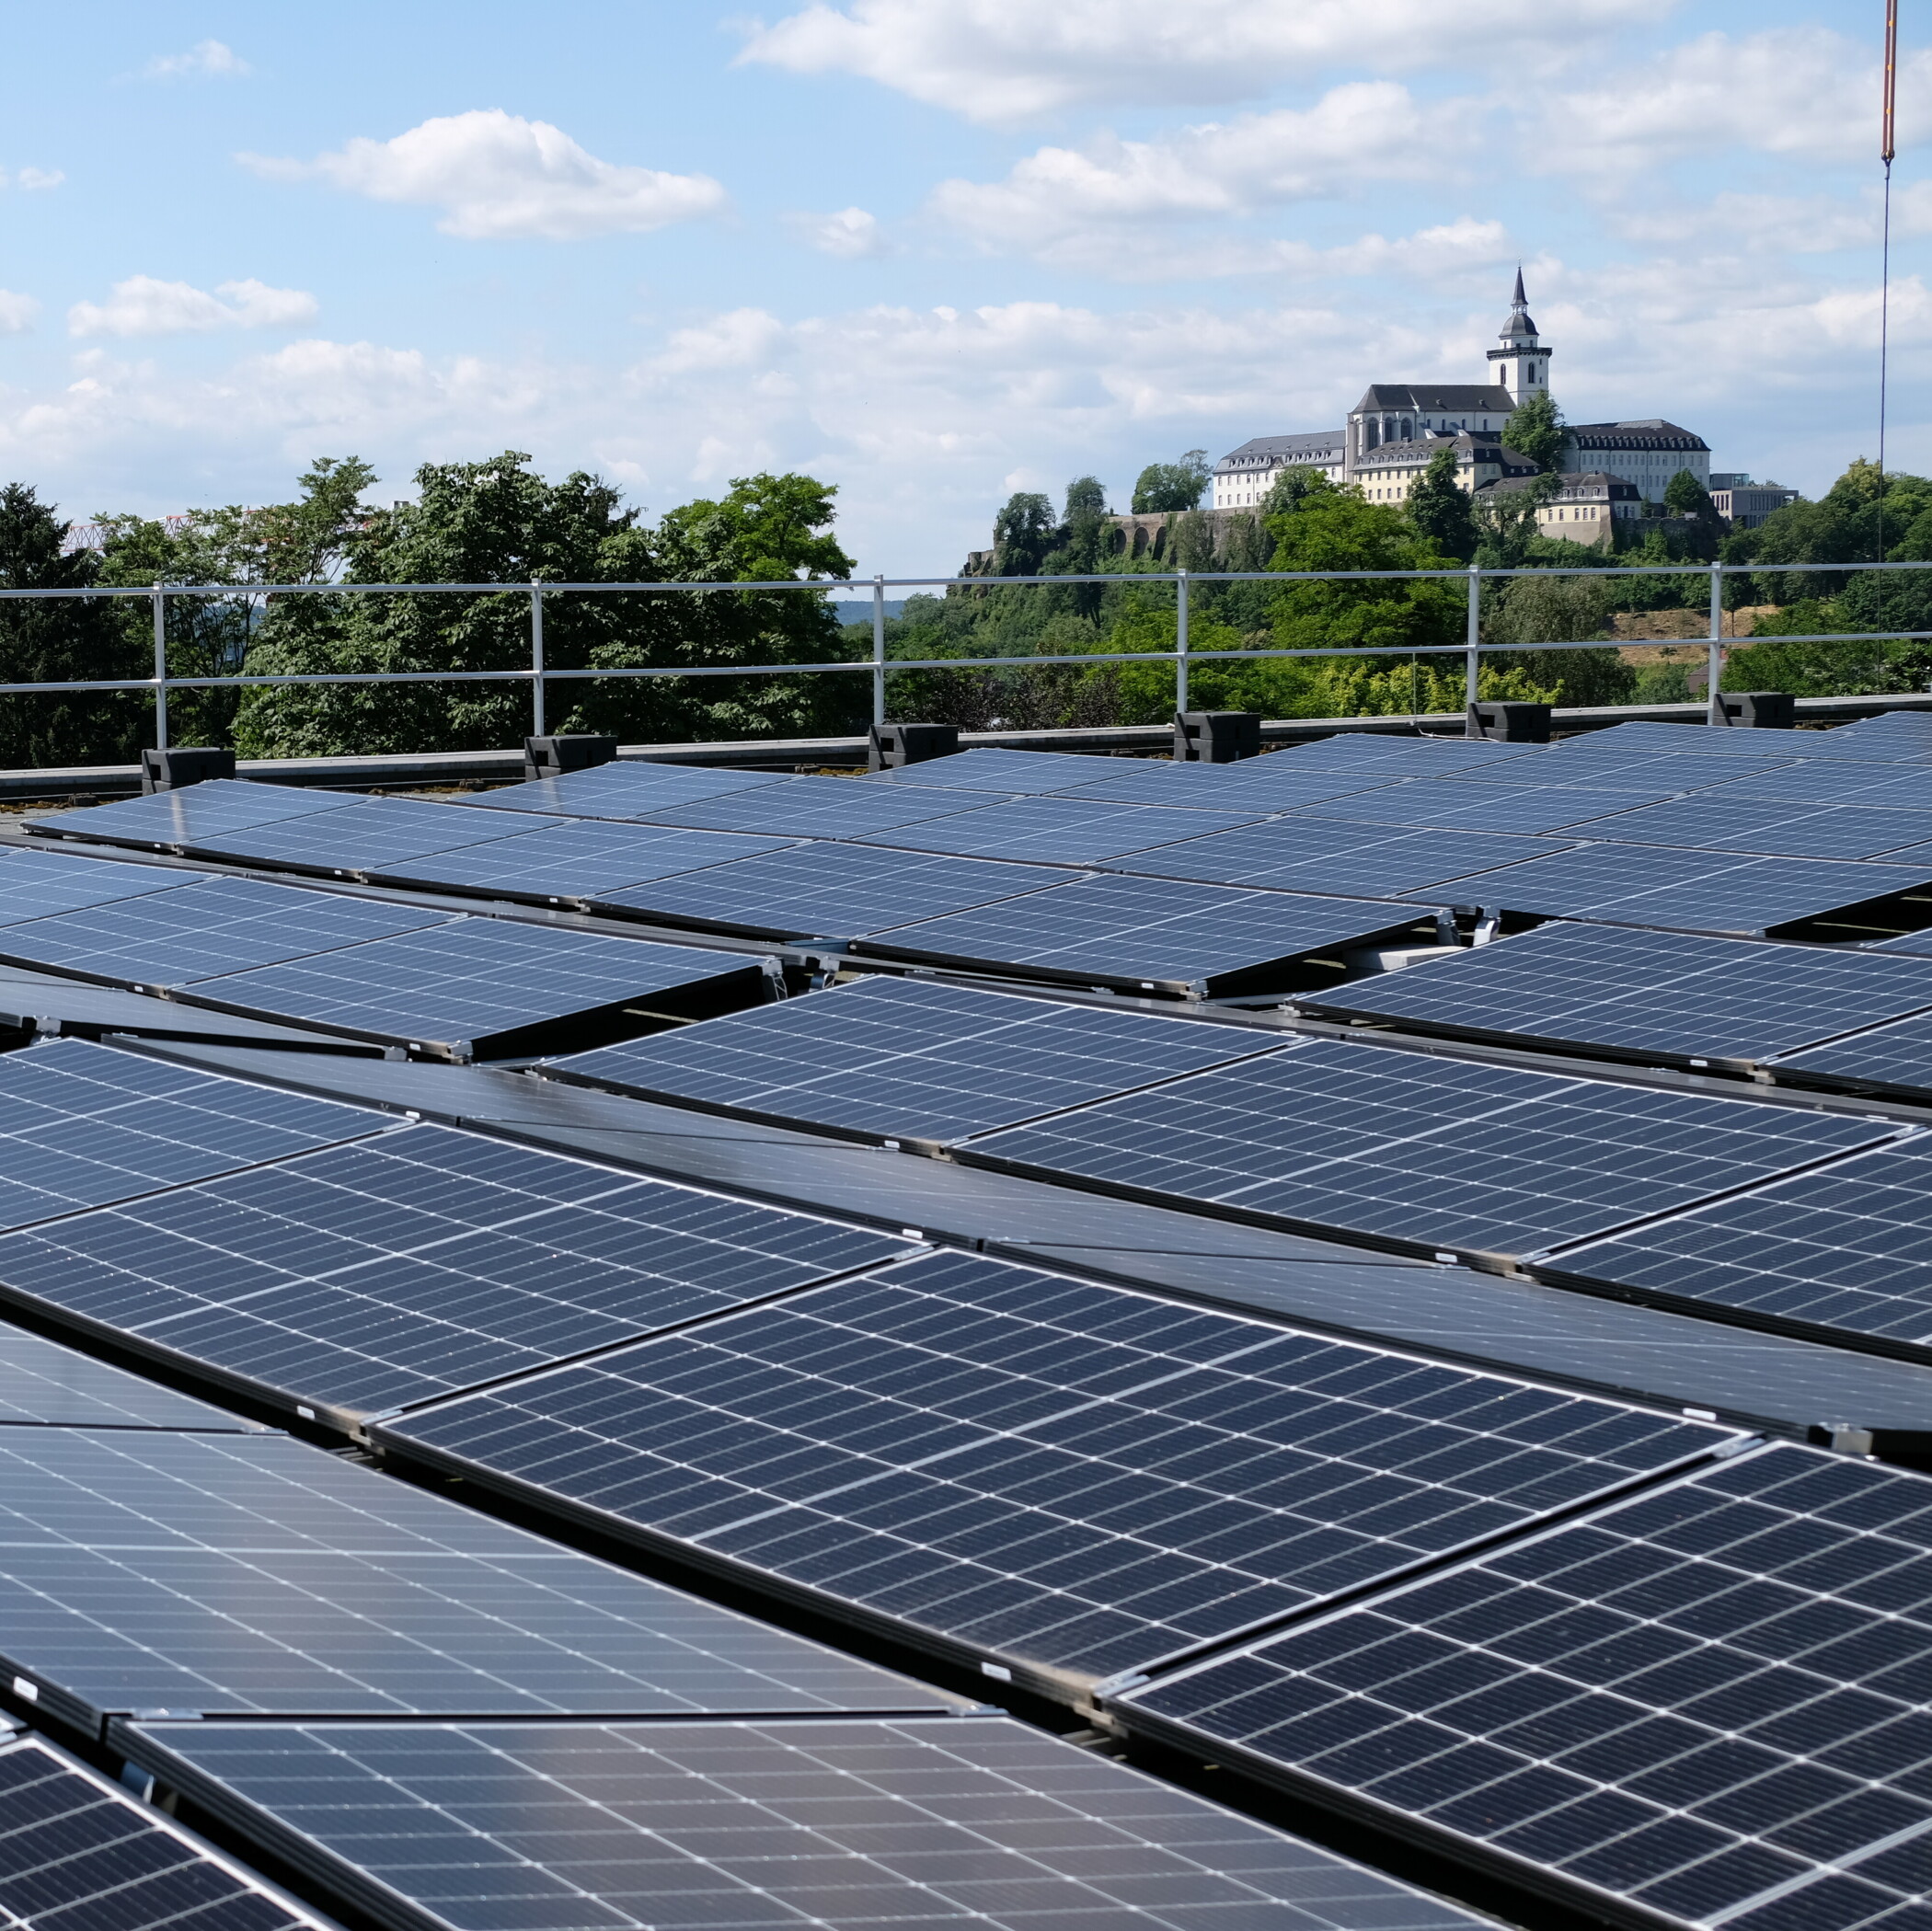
1396, 428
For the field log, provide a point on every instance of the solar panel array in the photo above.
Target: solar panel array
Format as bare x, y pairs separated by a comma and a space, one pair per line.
1290, 1496
1061, 1477
1706, 1704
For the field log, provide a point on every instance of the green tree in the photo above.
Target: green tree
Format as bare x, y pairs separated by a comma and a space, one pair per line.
59, 640
1534, 429
1022, 533
1439, 508
1545, 608
497, 522
1172, 485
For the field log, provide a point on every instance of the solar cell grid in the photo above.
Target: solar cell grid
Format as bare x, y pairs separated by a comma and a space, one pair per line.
1835, 781
1841, 1253
1019, 772
1894, 1058
372, 834
812, 807
984, 1823
1666, 993
1608, 768
1474, 804
196, 931
1269, 783
1706, 1704
898, 1058
187, 816
1058, 831
81, 1125
1073, 1478
1141, 933
1406, 757
1712, 821
1310, 853
75, 1852
826, 890
473, 984
252, 1574
1425, 1152
1917, 944
34, 884
1691, 890
405, 1267
582, 858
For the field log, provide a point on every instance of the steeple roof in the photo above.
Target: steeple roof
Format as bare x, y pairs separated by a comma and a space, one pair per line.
1519, 322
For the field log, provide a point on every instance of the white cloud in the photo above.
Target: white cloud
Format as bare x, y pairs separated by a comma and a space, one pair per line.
208, 59
1801, 91
16, 312
1077, 204
143, 306
33, 179
498, 176
851, 234
1786, 224
1008, 60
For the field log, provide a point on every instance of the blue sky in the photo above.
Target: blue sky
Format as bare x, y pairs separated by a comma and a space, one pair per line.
930, 250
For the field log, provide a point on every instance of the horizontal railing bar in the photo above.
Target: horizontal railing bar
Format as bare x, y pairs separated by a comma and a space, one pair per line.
829, 585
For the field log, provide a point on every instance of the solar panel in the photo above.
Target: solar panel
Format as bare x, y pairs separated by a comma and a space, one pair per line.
824, 890
812, 807
1644, 734
1064, 1478
1019, 772
1607, 769
1689, 891
1712, 821
46, 1385
409, 1265
1703, 1707
168, 938
174, 818
372, 834
625, 789
582, 859
1308, 853
1059, 831
1424, 1151
1842, 1254
1836, 781
36, 883
251, 1574
1473, 804
1658, 994
1917, 945
1270, 783
77, 1852
985, 1822
81, 1125
896, 1057
1885, 1059
481, 986
1143, 933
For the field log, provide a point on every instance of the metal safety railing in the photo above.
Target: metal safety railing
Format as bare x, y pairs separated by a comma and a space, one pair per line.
877, 665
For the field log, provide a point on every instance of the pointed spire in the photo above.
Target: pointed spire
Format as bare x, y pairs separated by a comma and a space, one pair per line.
1519, 300
1518, 325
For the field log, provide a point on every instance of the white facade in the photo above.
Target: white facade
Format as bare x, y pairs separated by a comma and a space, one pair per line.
1243, 477
1647, 453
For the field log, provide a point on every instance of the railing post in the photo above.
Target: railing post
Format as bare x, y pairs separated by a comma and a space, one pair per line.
1472, 638
1715, 649
159, 594
536, 659
879, 694
1180, 641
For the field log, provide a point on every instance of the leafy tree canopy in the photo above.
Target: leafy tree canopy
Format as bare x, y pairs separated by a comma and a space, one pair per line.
1535, 430
1022, 533
1439, 508
1172, 485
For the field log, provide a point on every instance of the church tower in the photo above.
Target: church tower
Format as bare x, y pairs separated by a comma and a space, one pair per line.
1522, 365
